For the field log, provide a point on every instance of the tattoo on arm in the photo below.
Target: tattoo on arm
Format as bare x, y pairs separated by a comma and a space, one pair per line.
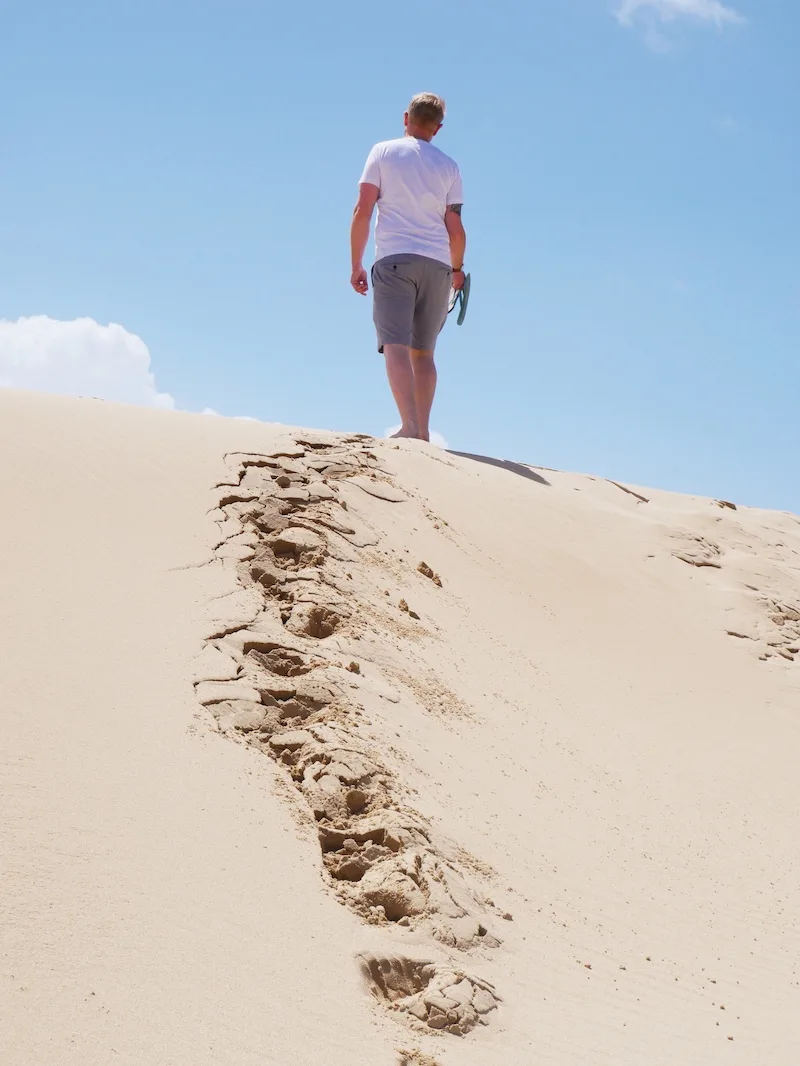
455, 208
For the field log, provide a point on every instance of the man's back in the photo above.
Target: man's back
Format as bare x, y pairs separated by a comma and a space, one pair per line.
417, 183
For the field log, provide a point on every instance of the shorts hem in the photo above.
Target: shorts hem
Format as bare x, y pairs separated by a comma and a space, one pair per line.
413, 344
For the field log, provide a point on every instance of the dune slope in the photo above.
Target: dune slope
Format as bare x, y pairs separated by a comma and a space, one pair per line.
319, 749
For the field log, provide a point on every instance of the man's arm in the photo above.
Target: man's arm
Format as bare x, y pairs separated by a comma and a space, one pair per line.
359, 234
458, 242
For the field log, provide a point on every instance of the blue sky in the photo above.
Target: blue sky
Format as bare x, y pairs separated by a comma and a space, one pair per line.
188, 171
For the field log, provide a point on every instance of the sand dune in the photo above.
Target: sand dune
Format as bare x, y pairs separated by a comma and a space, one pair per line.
323, 750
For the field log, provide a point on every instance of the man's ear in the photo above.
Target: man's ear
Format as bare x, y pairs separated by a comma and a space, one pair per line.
405, 120
438, 128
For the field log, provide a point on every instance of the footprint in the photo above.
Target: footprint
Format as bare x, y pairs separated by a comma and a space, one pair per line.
313, 620
278, 659
698, 551
415, 1058
296, 548
440, 996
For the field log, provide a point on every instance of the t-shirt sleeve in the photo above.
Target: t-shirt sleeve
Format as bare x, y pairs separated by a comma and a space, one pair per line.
372, 169
456, 193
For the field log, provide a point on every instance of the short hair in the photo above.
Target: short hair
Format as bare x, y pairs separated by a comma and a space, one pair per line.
426, 109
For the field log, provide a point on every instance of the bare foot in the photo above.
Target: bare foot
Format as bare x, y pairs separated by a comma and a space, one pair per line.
406, 431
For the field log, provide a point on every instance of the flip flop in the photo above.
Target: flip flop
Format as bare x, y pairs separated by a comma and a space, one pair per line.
461, 297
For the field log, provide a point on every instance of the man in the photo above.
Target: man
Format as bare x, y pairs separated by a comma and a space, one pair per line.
420, 244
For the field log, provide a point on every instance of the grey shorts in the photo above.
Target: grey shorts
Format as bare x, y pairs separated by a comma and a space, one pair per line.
410, 295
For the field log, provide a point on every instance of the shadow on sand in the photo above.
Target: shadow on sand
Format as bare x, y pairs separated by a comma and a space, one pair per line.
505, 464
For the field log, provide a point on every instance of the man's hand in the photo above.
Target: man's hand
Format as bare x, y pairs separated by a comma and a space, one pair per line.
358, 279
458, 279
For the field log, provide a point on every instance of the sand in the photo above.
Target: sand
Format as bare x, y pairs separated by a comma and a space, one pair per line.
323, 750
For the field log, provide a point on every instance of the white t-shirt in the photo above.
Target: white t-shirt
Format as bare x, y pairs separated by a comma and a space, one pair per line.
417, 182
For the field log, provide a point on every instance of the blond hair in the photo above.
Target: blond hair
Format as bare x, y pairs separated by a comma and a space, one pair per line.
426, 109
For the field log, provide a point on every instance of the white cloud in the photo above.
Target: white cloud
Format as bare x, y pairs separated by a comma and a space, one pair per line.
78, 358
242, 418
709, 11
436, 438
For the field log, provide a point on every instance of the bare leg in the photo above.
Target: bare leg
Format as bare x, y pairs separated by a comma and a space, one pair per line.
401, 381
424, 388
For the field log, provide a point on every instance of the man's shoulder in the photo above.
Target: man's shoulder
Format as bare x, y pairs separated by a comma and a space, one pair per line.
442, 157
405, 146
387, 147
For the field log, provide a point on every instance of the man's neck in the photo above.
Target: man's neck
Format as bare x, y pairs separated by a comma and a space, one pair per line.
419, 135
